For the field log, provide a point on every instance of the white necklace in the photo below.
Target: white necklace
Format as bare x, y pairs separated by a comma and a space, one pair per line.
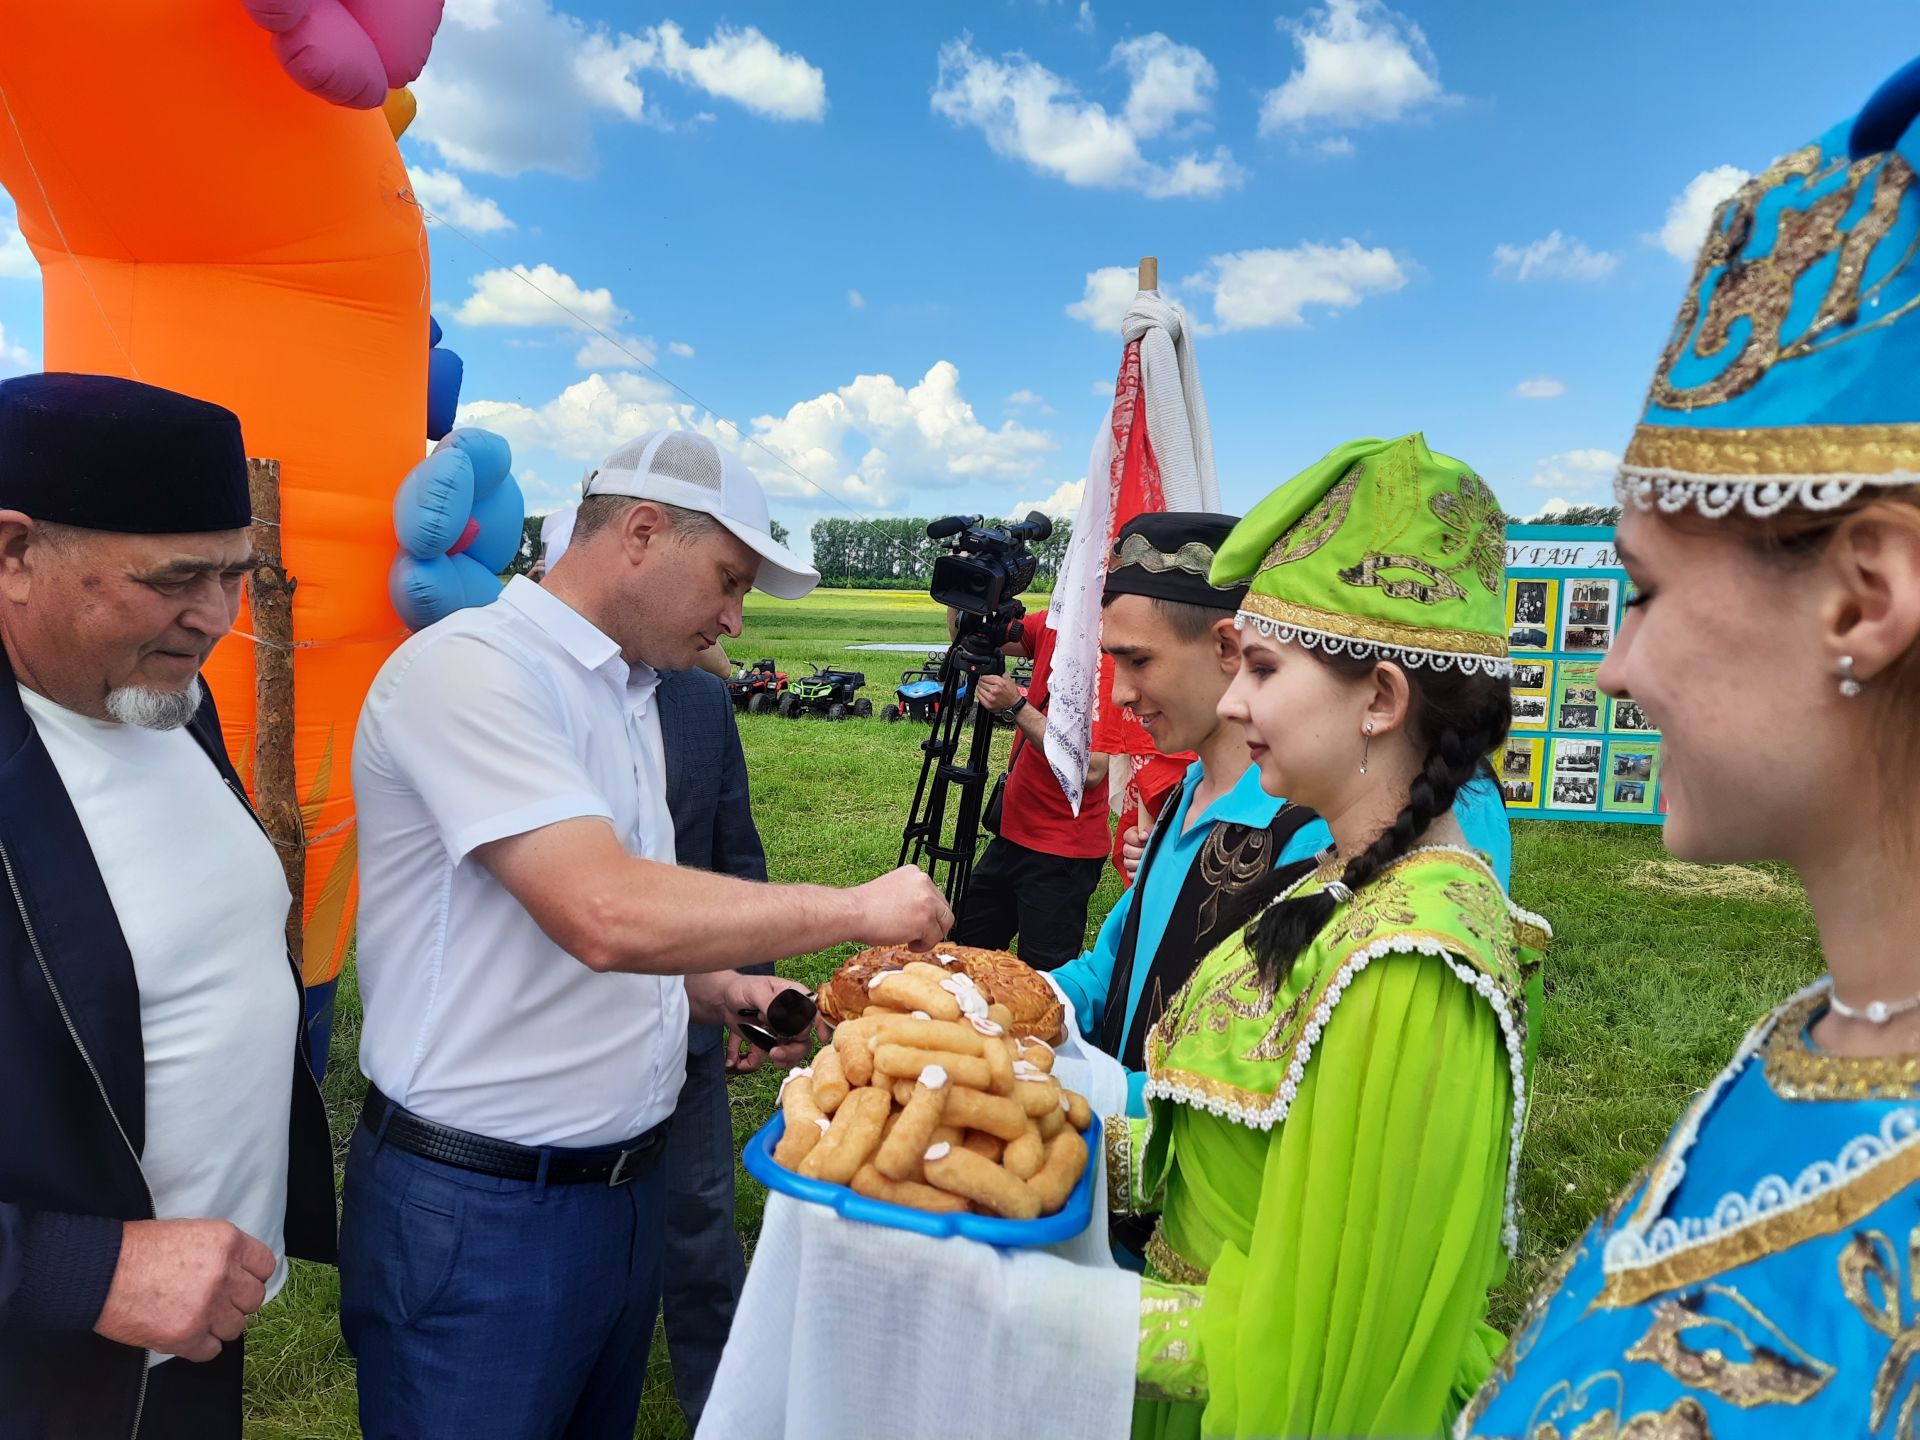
1877, 1012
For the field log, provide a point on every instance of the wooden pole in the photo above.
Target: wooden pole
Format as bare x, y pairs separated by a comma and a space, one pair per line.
276, 794
1149, 272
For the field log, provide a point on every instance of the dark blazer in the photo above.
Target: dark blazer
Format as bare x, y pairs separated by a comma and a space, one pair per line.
73, 1102
707, 792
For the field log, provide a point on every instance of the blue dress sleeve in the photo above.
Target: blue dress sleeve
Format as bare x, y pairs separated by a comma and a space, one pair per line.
1087, 978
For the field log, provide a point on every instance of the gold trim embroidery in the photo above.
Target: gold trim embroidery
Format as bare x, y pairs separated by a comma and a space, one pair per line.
1376, 632
1168, 1263
1476, 528
1796, 1071
1870, 1257
1891, 449
1318, 525
1761, 289
1777, 1372
1119, 1148
1827, 1214
1192, 557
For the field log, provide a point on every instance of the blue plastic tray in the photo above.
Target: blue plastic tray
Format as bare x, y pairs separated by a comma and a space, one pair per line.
1064, 1224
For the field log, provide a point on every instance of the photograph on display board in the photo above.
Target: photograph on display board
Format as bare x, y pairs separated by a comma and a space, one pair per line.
1532, 677
1531, 607
1627, 715
1587, 625
1529, 712
1576, 775
1578, 703
1518, 764
1632, 776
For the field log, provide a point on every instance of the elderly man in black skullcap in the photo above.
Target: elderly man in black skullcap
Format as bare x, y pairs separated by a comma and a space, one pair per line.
165, 1146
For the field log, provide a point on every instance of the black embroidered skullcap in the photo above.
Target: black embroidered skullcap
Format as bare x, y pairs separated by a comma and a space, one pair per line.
104, 453
1166, 554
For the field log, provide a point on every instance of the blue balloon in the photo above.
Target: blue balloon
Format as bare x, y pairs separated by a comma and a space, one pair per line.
430, 513
444, 371
502, 515
478, 585
434, 332
424, 591
491, 455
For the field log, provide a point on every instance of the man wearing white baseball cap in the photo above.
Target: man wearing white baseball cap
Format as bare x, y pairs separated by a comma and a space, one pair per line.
524, 931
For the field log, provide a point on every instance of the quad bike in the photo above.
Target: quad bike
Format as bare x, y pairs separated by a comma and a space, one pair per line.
832, 693
756, 688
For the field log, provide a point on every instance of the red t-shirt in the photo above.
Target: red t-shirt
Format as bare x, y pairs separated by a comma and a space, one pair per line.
1034, 812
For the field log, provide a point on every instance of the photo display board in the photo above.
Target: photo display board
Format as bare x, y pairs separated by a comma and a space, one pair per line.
1574, 753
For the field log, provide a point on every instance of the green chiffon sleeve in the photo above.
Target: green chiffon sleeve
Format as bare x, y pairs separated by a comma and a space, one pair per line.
1357, 1307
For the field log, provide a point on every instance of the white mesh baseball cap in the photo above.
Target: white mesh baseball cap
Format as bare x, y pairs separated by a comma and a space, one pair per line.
678, 467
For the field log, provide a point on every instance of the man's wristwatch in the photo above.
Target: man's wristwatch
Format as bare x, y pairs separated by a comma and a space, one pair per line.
1014, 709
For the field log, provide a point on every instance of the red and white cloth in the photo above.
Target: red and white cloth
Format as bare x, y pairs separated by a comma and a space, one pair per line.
1155, 452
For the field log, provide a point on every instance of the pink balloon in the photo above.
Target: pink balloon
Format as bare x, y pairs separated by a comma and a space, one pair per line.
402, 31
277, 15
350, 52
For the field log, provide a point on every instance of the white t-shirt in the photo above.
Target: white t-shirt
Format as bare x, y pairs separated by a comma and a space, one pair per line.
202, 901
498, 721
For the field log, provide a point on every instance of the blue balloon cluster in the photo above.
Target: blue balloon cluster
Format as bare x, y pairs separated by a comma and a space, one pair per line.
458, 516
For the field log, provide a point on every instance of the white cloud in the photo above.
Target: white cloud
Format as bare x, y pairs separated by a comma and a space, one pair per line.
520, 296
446, 195
680, 348
13, 359
614, 352
1576, 471
743, 66
1029, 113
1110, 290
1024, 399
1540, 387
1062, 504
1253, 289
1556, 257
1360, 63
1085, 23
515, 85
1692, 210
1337, 147
1102, 390
866, 441
855, 300
16, 260
1556, 506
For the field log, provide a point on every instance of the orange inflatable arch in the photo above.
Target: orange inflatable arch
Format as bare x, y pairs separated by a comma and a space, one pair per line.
205, 224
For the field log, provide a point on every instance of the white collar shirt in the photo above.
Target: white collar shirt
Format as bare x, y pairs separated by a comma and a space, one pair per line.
498, 721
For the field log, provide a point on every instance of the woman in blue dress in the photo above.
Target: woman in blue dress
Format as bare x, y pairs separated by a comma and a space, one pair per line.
1762, 1276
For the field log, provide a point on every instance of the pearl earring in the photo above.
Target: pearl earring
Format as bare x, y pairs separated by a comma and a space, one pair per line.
1849, 686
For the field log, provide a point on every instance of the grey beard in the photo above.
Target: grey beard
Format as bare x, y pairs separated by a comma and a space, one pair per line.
155, 709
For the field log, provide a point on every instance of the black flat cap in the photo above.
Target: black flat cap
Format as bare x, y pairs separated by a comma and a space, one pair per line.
1166, 554
103, 453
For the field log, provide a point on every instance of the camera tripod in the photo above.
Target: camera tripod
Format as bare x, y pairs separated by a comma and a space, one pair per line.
944, 780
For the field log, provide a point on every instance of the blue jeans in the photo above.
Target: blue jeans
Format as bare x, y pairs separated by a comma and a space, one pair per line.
488, 1309
705, 1268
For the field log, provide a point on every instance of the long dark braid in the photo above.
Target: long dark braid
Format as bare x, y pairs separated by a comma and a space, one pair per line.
1462, 718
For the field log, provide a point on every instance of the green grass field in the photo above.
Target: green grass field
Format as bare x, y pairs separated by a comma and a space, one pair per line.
1657, 970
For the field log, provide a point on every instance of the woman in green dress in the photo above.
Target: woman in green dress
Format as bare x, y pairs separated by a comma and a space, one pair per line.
1337, 1094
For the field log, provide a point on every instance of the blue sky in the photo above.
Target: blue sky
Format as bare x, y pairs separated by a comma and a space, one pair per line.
874, 235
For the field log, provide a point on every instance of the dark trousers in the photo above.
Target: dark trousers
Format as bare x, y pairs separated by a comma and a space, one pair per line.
186, 1401
1041, 898
704, 1265
488, 1309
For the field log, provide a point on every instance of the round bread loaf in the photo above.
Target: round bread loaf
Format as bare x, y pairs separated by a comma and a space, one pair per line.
1004, 978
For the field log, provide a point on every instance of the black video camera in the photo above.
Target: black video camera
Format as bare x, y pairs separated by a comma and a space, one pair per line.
986, 565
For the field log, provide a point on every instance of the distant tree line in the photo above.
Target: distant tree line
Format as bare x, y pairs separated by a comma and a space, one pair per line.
894, 553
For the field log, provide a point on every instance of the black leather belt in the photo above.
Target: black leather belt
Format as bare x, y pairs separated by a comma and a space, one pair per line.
614, 1165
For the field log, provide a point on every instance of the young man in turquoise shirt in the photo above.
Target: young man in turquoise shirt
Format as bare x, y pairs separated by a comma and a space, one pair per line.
1175, 649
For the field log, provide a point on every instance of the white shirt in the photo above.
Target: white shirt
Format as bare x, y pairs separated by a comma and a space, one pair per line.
202, 902
498, 721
